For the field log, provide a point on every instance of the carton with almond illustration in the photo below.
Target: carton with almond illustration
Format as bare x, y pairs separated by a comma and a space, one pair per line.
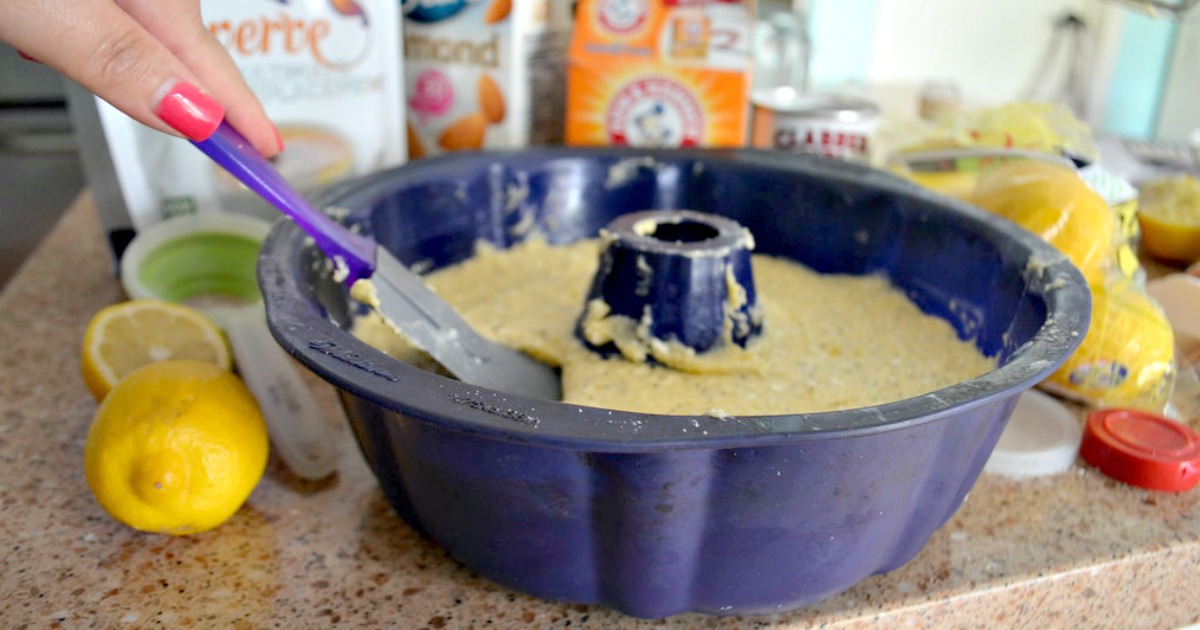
484, 73
660, 73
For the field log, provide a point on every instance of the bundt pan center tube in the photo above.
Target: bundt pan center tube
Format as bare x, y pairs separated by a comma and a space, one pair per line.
655, 515
671, 277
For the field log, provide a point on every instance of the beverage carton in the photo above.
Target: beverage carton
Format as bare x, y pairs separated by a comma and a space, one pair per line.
484, 74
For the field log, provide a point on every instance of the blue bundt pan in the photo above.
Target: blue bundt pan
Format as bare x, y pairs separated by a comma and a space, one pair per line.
656, 515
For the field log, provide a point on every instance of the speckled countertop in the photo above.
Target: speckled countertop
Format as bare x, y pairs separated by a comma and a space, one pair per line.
1072, 551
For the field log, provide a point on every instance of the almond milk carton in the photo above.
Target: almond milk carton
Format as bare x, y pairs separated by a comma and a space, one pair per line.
660, 73
484, 73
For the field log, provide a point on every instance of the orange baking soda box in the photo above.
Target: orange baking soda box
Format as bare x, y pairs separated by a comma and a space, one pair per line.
659, 73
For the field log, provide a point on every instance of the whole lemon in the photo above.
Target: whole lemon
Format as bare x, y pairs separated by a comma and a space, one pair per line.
1055, 203
176, 447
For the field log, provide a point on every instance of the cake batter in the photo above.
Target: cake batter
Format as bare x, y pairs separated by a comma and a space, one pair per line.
829, 342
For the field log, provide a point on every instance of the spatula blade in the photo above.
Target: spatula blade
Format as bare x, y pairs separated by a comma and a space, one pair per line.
403, 299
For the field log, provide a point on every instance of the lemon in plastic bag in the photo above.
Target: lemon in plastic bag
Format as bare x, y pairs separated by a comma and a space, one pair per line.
1054, 202
1127, 358
1049, 128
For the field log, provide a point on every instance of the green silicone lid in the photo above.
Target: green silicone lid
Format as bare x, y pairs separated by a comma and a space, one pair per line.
203, 264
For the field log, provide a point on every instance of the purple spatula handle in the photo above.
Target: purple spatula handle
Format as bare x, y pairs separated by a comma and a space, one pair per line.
228, 148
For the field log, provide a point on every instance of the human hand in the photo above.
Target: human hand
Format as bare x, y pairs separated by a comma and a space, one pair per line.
152, 59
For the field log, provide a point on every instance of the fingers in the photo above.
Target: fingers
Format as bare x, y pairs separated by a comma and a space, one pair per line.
111, 53
102, 48
177, 23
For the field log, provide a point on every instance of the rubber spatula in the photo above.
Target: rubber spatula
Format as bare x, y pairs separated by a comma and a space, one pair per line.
400, 296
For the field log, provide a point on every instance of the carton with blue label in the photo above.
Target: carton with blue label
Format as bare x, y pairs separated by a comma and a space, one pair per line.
484, 73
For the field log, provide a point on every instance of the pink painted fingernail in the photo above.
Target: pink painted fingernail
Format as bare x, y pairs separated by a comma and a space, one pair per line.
189, 111
278, 138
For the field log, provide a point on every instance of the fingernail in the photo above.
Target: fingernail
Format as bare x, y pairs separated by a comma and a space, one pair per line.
278, 138
189, 111
27, 57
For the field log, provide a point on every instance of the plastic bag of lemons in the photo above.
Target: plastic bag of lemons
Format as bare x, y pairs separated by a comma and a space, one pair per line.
1053, 202
1040, 127
950, 155
1127, 358
1012, 160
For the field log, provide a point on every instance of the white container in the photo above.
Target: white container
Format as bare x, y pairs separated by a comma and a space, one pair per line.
831, 125
1041, 438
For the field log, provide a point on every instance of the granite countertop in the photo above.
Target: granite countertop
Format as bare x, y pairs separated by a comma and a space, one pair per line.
1075, 550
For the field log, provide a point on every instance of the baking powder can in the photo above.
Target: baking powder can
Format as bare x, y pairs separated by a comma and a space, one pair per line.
831, 125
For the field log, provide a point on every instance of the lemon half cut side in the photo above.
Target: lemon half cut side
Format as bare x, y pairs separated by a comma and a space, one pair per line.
123, 337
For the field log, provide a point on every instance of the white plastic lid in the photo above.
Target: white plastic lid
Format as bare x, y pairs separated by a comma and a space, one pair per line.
1042, 438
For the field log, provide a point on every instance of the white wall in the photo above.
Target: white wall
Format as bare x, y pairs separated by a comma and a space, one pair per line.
992, 49
1180, 114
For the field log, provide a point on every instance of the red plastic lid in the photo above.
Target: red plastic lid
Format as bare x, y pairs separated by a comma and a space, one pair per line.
1142, 449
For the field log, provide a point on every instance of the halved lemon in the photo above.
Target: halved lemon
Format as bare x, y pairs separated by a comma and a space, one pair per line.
125, 336
1169, 216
